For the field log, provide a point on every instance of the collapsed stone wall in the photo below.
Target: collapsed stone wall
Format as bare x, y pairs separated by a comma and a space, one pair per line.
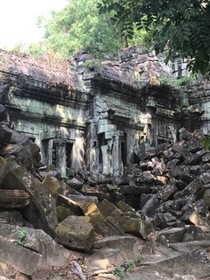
168, 189
162, 193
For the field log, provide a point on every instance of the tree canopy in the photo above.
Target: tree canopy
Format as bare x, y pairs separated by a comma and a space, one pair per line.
79, 26
176, 27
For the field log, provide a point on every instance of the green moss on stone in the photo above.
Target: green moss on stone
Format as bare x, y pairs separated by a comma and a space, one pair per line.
108, 209
53, 185
63, 212
124, 207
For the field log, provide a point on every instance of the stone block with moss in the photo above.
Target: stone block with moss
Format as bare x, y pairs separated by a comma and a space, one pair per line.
76, 232
135, 226
53, 185
63, 212
101, 225
125, 208
108, 209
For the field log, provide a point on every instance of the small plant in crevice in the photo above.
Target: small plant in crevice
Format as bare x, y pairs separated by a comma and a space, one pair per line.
128, 265
119, 272
21, 235
122, 269
139, 260
183, 82
206, 142
92, 64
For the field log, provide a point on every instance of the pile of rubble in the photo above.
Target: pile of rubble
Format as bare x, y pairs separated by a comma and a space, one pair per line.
169, 187
172, 183
42, 218
39, 212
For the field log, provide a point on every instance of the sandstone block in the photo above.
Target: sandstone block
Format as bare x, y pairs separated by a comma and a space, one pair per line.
41, 211
76, 233
173, 235
103, 226
63, 212
108, 209
24, 260
135, 226
30, 251
53, 186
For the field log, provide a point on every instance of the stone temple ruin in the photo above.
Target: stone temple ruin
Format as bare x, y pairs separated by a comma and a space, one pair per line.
140, 190
90, 116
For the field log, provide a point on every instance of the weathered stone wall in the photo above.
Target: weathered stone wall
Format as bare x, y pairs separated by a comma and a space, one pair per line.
129, 108
91, 116
48, 106
199, 105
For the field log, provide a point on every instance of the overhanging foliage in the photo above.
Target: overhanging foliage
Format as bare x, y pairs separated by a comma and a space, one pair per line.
175, 27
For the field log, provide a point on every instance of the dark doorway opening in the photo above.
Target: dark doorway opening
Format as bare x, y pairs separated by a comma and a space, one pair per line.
101, 142
45, 151
69, 154
124, 152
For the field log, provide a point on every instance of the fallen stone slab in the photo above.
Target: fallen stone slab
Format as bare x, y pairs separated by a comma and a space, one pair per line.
189, 246
179, 148
108, 209
125, 208
206, 197
163, 220
102, 225
75, 184
206, 157
167, 191
205, 177
135, 226
63, 212
193, 233
113, 251
151, 205
75, 232
184, 134
191, 188
36, 240
20, 146
196, 158
14, 198
53, 185
182, 265
11, 217
121, 242
172, 235
41, 211
24, 260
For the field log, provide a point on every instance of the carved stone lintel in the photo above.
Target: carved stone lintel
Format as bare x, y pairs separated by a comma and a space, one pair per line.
14, 198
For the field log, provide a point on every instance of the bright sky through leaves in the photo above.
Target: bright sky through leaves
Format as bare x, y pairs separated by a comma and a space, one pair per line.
18, 20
